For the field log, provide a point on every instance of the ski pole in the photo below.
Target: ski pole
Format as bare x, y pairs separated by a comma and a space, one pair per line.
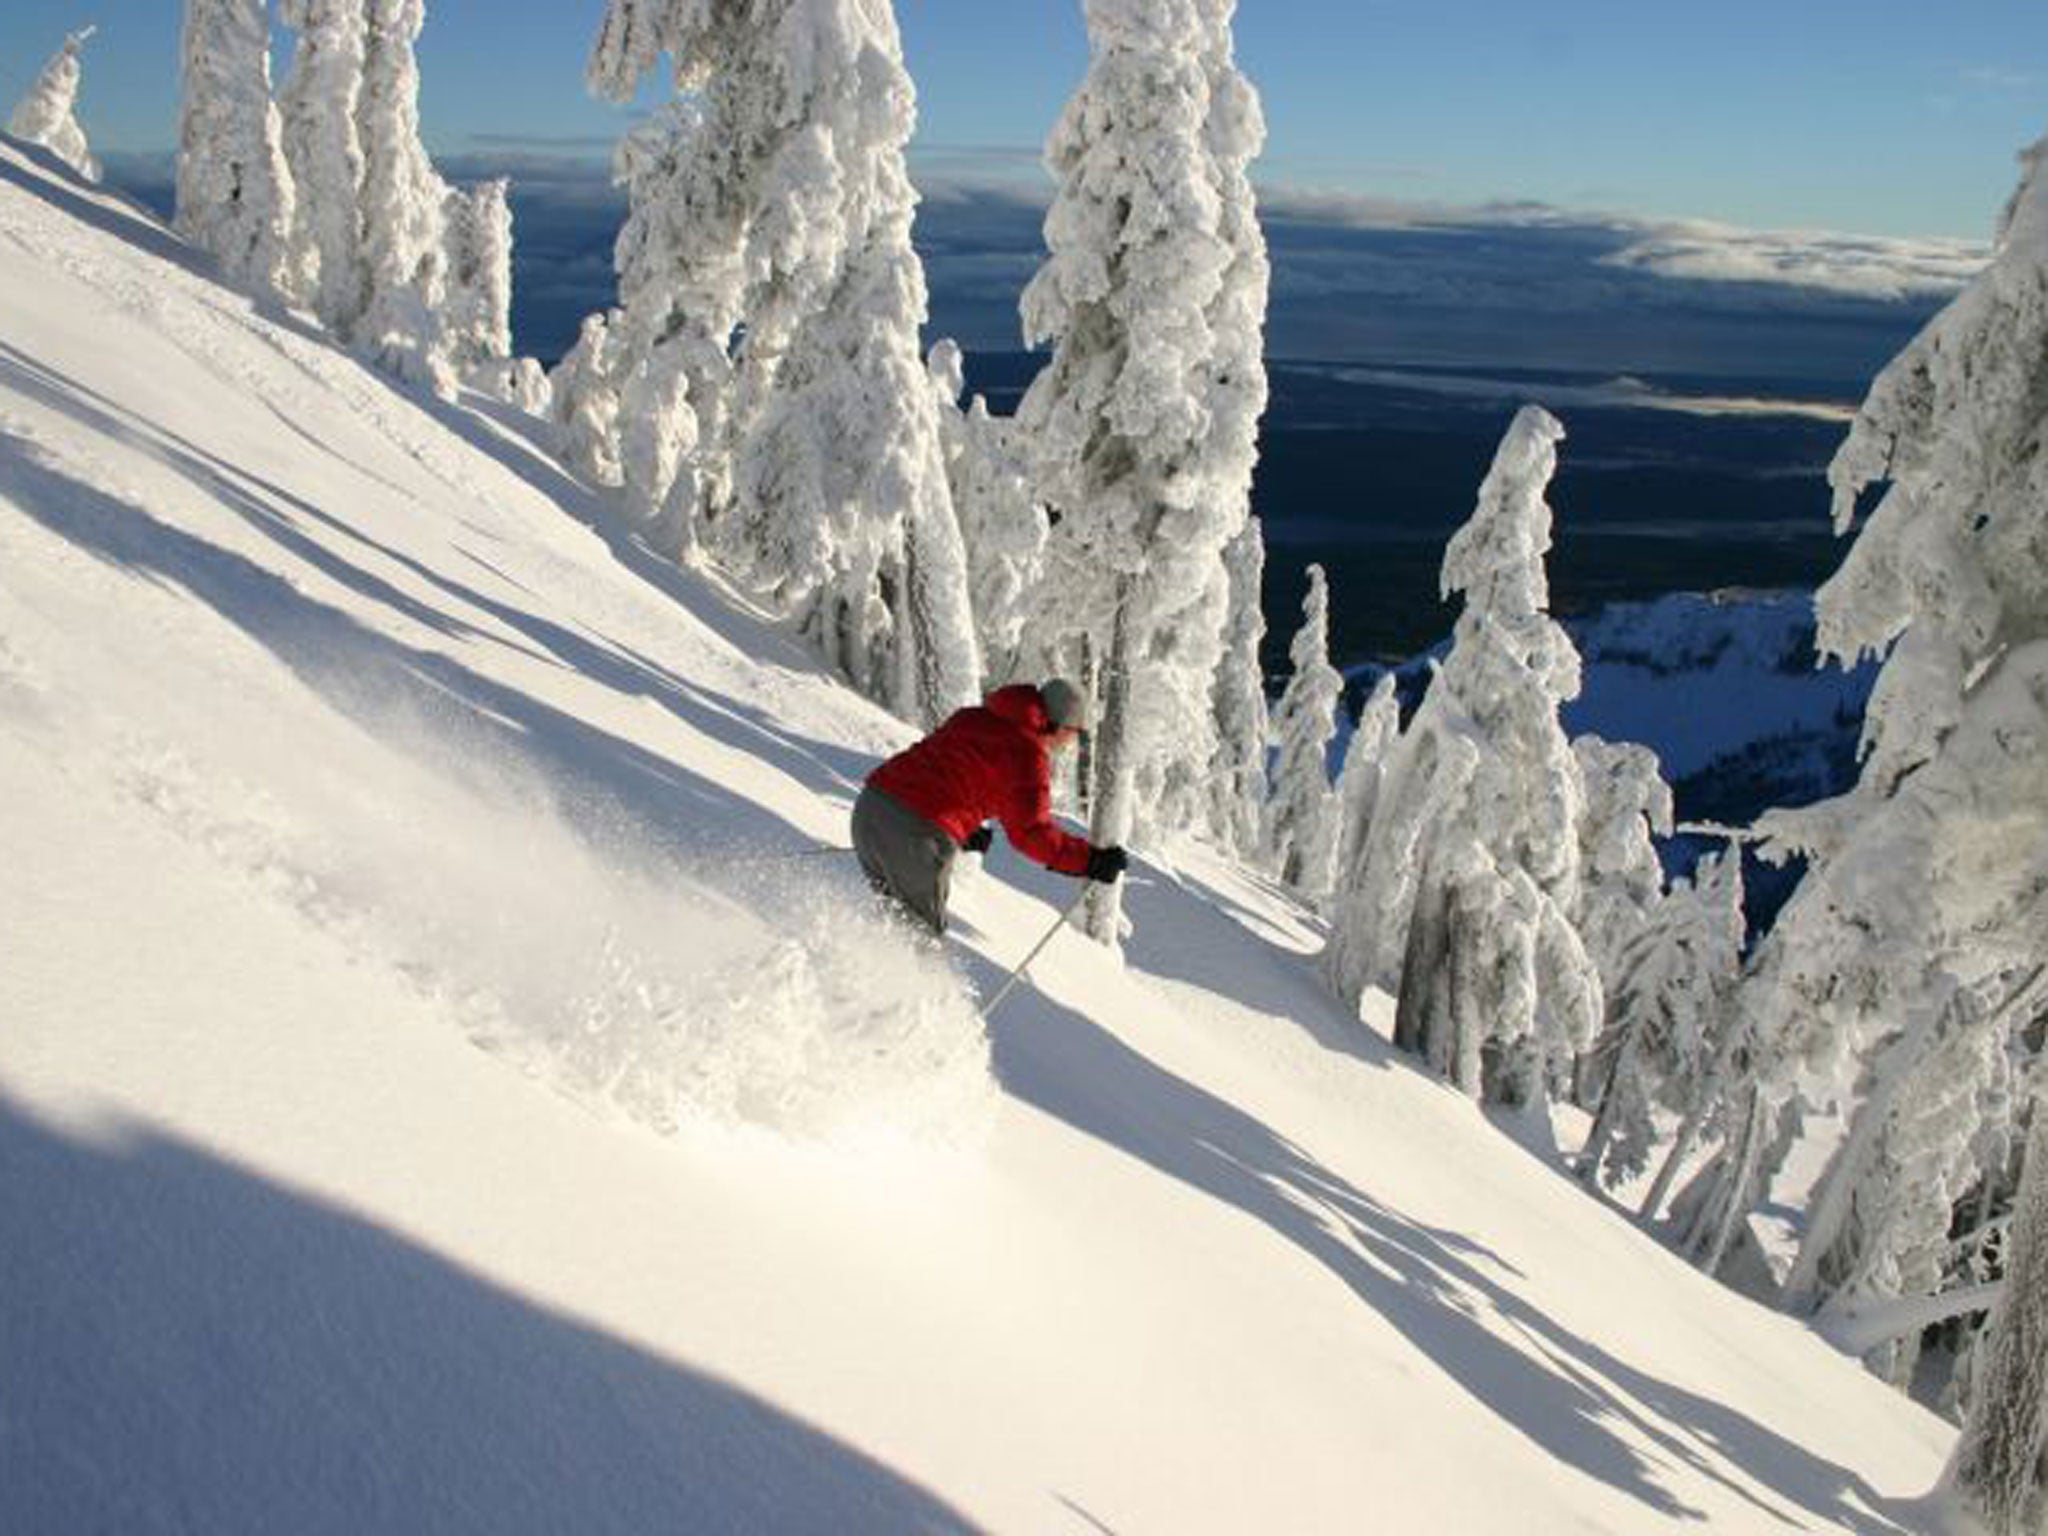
1022, 965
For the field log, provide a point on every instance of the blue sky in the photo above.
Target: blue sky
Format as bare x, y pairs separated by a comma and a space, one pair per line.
1896, 117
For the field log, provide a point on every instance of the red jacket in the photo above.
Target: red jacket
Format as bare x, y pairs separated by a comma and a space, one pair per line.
988, 761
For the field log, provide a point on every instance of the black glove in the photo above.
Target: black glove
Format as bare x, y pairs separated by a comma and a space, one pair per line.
1106, 864
979, 839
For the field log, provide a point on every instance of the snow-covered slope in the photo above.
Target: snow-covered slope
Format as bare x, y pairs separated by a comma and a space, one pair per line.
439, 1091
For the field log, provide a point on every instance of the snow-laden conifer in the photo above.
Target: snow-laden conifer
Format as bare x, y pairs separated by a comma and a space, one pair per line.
1949, 577
1350, 956
1669, 986
1237, 771
786, 212
235, 193
1153, 300
669, 368
403, 206
1002, 526
1998, 1471
476, 315
324, 149
1302, 817
1881, 1224
47, 115
583, 403
1471, 869
1928, 888
1628, 804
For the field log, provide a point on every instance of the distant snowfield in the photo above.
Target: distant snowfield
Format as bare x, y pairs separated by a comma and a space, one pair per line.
438, 1090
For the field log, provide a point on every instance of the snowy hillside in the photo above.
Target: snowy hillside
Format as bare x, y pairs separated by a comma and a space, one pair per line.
1706, 678
441, 1089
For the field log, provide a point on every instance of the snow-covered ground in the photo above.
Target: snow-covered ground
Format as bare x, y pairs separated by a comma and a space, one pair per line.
439, 1089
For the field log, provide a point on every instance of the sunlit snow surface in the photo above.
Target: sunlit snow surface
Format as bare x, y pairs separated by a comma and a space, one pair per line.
331, 749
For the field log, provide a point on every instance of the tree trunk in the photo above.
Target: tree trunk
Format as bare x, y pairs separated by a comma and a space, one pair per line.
1420, 998
1734, 1204
1695, 1120
1997, 1468
1112, 811
1594, 1153
1829, 1215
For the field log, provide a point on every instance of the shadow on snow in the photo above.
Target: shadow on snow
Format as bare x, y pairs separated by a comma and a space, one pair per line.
1439, 1288
191, 1345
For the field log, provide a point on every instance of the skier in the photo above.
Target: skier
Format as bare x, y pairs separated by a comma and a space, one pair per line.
922, 806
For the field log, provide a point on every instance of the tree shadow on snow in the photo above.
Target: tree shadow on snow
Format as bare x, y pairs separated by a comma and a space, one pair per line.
508, 437
607, 787
1439, 1288
366, 673
189, 1345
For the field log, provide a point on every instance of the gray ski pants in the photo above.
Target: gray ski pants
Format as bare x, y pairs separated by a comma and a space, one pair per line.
904, 856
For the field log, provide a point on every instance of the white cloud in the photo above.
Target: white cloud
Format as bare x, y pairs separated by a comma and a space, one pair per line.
1858, 266
1865, 266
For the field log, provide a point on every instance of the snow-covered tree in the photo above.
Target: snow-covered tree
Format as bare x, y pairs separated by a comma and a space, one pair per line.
235, 192
1237, 771
1002, 526
1929, 887
1302, 817
1879, 1229
785, 215
671, 375
476, 317
583, 403
373, 214
1471, 868
47, 114
1628, 804
1350, 955
1998, 1471
1153, 300
403, 206
1950, 578
1668, 990
324, 150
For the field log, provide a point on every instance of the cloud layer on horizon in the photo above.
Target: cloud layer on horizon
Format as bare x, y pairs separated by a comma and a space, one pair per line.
1355, 277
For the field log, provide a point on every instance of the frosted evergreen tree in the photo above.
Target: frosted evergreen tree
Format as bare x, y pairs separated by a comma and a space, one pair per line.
670, 374
1349, 956
476, 318
47, 115
1471, 868
1879, 1244
1669, 986
235, 196
1153, 301
324, 150
1998, 1471
584, 404
786, 215
1928, 886
1302, 817
1001, 525
1628, 804
1621, 879
1237, 772
403, 206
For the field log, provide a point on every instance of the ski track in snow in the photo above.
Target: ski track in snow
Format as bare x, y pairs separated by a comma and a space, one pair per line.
831, 1024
